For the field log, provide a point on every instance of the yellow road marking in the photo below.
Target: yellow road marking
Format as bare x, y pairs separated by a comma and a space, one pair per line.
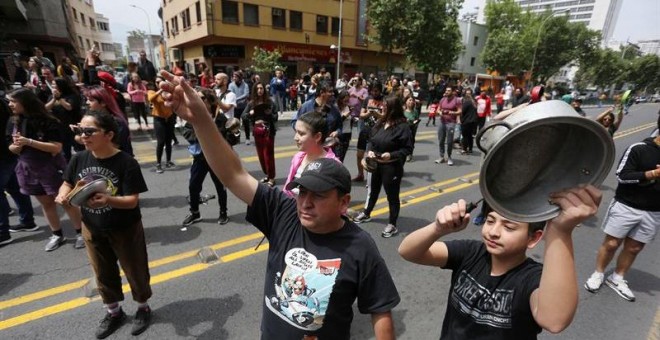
156, 279
654, 332
41, 294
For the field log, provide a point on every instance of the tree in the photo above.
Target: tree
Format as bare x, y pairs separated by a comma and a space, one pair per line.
515, 35
644, 72
605, 68
438, 47
266, 61
137, 34
426, 31
388, 20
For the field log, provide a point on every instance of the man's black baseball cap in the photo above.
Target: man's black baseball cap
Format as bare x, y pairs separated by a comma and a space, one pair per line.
323, 174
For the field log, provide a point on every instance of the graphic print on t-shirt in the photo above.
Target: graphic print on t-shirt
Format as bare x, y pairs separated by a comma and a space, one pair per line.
93, 173
302, 291
480, 304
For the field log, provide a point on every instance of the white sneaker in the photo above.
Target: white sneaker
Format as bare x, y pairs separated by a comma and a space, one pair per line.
440, 160
621, 288
54, 242
594, 282
450, 162
80, 242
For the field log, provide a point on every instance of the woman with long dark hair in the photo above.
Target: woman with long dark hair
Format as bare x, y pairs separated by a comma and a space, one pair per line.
98, 99
469, 122
390, 142
260, 113
64, 103
37, 140
113, 230
344, 138
411, 112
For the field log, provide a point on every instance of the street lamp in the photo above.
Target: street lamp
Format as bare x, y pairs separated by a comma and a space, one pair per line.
538, 36
341, 12
151, 50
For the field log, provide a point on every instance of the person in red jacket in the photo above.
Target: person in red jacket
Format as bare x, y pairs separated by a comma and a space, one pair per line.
499, 101
483, 109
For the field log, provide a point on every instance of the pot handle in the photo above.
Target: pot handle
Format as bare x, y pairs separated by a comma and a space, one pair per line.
489, 126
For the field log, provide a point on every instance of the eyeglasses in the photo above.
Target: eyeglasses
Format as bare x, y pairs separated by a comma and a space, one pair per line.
87, 131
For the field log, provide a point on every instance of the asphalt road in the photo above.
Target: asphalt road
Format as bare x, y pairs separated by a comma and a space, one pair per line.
42, 295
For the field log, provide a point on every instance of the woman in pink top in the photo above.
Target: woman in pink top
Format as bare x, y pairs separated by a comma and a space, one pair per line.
138, 93
450, 110
311, 131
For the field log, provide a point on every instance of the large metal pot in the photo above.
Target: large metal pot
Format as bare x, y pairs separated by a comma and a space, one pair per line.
543, 148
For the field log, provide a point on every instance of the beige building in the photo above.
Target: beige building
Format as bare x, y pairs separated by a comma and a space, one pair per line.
90, 29
224, 33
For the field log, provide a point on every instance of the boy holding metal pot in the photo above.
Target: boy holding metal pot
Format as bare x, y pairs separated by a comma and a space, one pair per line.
496, 291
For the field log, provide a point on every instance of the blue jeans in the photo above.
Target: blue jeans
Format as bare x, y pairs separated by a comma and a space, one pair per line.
9, 183
446, 137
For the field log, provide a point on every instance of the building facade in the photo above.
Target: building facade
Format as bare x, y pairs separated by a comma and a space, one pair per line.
599, 15
649, 46
224, 33
90, 29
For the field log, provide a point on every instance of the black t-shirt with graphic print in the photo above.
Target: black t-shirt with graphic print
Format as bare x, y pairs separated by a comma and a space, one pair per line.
482, 306
123, 176
313, 279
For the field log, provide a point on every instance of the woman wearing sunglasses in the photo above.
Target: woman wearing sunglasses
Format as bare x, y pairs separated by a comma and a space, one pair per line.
37, 140
98, 99
112, 220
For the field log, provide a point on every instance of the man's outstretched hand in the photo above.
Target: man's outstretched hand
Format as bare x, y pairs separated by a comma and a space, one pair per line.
183, 99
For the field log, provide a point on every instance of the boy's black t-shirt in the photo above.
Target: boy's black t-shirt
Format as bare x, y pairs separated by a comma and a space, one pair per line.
123, 177
482, 306
313, 279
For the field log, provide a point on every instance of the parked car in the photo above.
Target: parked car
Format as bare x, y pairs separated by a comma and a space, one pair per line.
655, 98
641, 99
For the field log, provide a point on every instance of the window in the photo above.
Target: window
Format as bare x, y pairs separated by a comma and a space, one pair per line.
107, 47
97, 45
321, 24
198, 11
476, 41
230, 11
185, 19
335, 26
103, 26
250, 15
295, 20
279, 18
82, 19
472, 60
92, 24
82, 44
89, 46
75, 14
167, 28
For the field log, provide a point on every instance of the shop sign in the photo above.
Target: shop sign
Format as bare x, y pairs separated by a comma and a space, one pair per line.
224, 51
293, 52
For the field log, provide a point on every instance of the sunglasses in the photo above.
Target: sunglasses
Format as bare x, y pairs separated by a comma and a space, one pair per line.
87, 131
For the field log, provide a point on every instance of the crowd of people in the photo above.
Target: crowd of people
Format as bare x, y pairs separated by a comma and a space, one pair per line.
68, 130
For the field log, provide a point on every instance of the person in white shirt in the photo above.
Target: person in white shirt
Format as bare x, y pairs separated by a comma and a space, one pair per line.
226, 99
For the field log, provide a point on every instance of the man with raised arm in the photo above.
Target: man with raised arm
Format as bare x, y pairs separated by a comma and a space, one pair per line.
319, 262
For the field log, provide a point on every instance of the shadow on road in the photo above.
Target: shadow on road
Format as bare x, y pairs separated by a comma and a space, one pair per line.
642, 281
11, 281
179, 201
201, 318
172, 234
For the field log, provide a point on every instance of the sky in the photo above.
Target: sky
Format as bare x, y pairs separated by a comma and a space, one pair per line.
637, 18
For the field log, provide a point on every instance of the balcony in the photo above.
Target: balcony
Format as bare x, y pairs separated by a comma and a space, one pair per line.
13, 9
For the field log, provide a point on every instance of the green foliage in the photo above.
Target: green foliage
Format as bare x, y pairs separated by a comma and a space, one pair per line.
517, 39
644, 72
266, 61
426, 31
604, 68
137, 33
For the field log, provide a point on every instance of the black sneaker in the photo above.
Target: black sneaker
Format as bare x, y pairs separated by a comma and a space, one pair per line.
141, 321
24, 227
192, 218
159, 169
5, 238
169, 164
223, 219
110, 324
